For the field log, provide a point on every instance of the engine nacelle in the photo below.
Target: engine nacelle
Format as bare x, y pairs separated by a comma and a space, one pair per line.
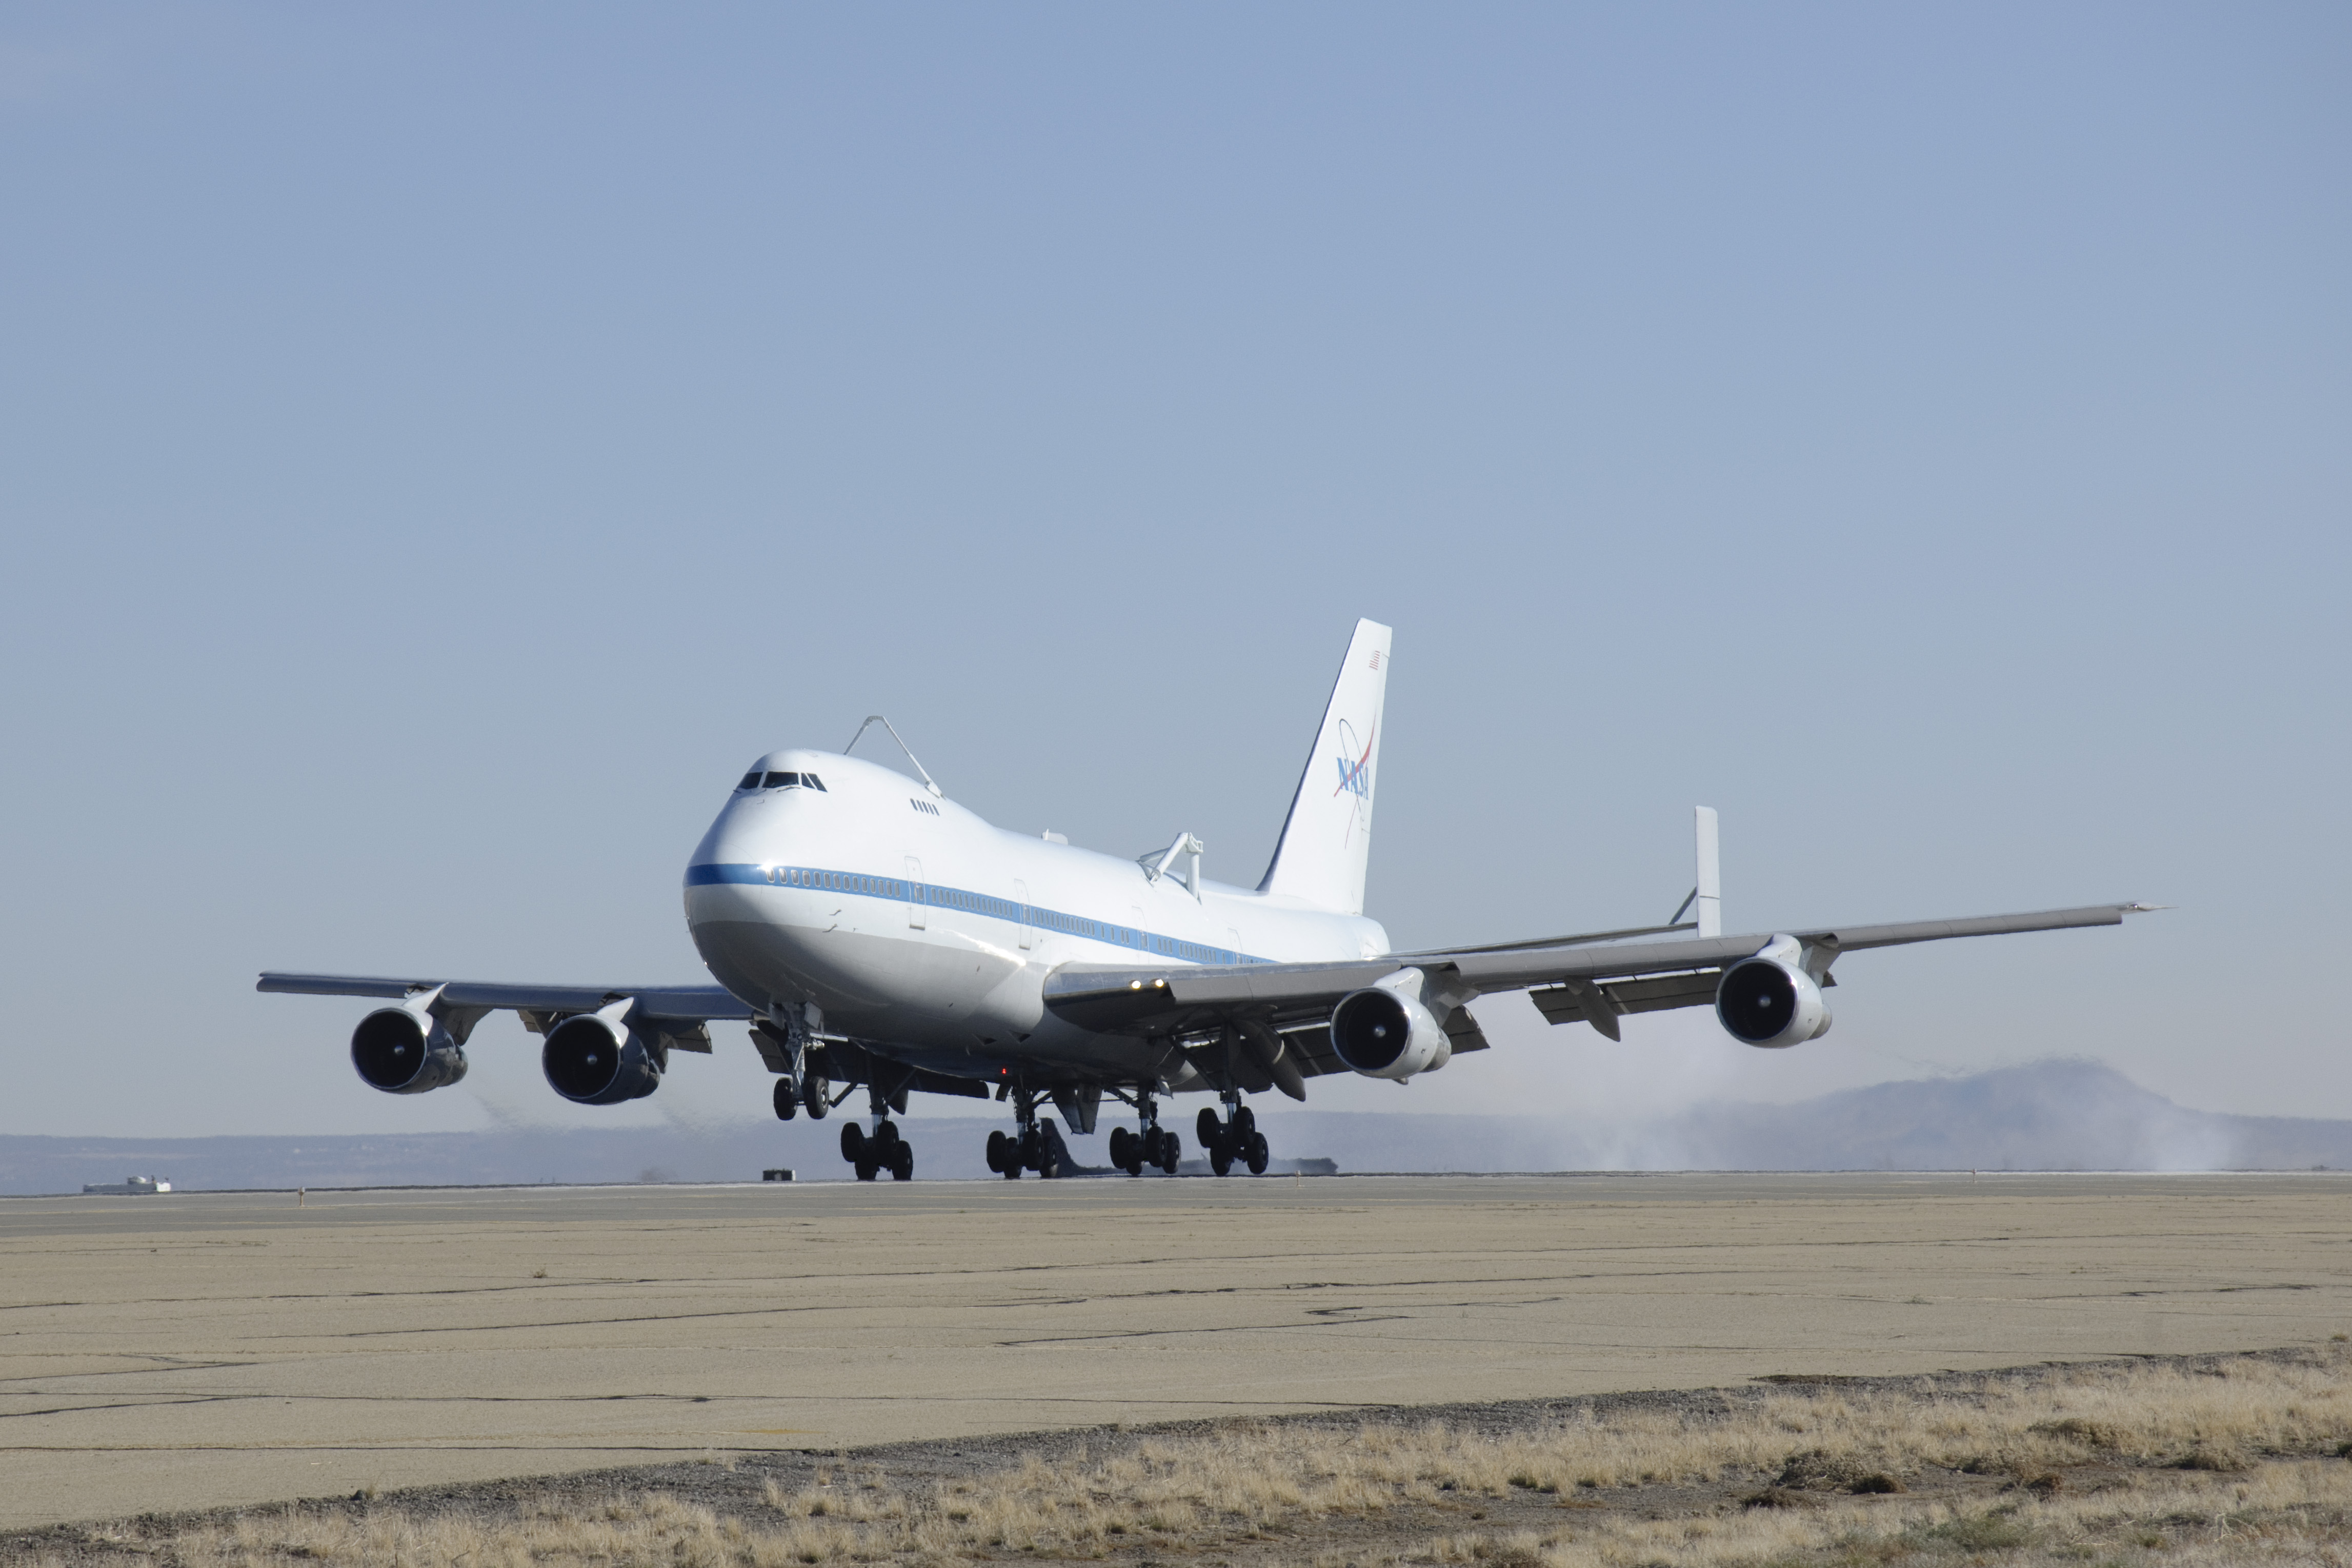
591, 1059
1383, 1031
1769, 1001
404, 1050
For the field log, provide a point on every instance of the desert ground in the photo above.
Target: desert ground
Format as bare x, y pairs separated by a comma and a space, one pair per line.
198, 1352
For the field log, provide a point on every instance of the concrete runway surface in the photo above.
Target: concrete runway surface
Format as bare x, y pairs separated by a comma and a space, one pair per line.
196, 1350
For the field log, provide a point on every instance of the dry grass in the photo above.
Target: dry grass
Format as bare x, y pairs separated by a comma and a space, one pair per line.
2235, 1466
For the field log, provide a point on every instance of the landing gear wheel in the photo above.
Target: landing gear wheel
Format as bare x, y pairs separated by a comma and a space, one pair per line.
1256, 1153
866, 1169
886, 1138
999, 1148
1121, 1141
852, 1145
1245, 1123
788, 1100
816, 1096
1221, 1157
1208, 1128
902, 1162
1171, 1149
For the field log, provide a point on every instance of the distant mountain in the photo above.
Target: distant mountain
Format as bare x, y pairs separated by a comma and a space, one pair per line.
2057, 1115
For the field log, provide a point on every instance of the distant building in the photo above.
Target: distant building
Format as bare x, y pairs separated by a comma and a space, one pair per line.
129, 1184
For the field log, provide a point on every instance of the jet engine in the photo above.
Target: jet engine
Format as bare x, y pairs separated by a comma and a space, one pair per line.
591, 1059
1382, 1032
404, 1050
1769, 1001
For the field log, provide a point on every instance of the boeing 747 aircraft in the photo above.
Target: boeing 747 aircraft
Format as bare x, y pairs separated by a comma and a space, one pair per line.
876, 935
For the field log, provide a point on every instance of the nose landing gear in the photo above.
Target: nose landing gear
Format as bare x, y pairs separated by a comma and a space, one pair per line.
1236, 1138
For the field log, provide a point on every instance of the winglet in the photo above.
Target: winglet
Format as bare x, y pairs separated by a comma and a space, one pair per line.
1710, 874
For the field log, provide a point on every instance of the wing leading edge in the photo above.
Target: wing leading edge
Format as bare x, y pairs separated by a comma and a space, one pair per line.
676, 1013
1568, 981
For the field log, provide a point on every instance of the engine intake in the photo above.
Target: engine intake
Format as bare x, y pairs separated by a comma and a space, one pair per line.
1383, 1033
591, 1059
1769, 1001
401, 1051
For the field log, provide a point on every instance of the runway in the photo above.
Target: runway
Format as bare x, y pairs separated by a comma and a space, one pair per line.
198, 1350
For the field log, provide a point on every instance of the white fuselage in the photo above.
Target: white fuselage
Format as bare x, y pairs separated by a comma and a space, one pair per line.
919, 930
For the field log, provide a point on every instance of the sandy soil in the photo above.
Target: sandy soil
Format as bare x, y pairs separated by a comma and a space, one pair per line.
195, 1351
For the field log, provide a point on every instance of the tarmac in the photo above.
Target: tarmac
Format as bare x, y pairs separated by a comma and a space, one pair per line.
191, 1351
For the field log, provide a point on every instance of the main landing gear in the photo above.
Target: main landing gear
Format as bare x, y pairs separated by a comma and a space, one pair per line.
878, 1150
1155, 1145
1037, 1146
881, 1149
1234, 1138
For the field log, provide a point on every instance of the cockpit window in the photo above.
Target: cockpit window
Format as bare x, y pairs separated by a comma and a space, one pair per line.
780, 781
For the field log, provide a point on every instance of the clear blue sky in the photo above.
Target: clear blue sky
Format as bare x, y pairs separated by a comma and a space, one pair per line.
440, 446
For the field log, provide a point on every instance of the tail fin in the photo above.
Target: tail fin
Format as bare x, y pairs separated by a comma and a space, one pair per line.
1327, 837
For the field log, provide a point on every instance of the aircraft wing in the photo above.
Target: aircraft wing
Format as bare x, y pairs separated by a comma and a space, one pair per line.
1568, 981
677, 1013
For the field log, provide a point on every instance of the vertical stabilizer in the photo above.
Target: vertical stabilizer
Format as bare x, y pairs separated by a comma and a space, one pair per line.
1327, 837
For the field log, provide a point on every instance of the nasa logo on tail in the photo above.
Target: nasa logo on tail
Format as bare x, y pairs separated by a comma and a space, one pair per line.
1356, 777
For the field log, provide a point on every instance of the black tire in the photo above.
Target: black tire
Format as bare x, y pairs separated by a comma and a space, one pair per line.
1171, 1149
866, 1169
1245, 1123
1121, 1142
1221, 1159
853, 1144
1257, 1153
1148, 1146
999, 1148
902, 1162
788, 1101
1011, 1172
817, 1097
885, 1137
1032, 1150
1134, 1166
1208, 1128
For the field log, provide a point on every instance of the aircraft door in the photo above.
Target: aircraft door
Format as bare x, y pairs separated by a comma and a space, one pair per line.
1028, 928
914, 892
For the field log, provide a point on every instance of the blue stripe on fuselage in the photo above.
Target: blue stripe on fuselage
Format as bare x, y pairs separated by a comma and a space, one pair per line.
899, 891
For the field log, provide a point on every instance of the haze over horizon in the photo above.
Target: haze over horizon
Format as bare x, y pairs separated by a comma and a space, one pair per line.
442, 445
